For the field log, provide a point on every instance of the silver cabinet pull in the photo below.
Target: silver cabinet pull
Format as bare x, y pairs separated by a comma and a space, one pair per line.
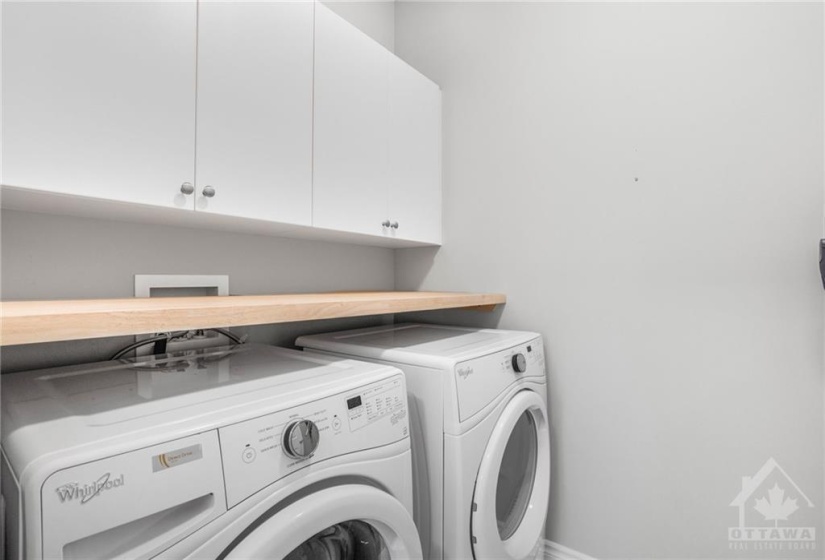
187, 188
208, 191
385, 223
394, 225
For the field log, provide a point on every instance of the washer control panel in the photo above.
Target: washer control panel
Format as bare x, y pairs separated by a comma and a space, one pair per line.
262, 450
372, 405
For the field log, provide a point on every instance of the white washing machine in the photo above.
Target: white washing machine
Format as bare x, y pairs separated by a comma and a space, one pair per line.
481, 441
242, 452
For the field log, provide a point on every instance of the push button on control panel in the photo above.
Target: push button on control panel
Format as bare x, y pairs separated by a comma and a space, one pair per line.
249, 455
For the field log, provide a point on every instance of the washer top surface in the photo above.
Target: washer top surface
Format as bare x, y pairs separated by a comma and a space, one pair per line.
123, 401
420, 344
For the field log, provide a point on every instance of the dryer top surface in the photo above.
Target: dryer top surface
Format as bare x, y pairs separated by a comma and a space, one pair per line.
419, 344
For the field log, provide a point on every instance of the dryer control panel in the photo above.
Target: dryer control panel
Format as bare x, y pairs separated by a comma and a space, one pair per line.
262, 450
479, 381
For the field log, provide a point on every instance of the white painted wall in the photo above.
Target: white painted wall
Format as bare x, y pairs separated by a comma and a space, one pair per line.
59, 257
682, 311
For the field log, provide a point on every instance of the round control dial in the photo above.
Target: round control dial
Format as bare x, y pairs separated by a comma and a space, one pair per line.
301, 439
519, 363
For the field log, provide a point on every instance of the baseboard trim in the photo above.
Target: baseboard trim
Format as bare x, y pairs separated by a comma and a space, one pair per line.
555, 551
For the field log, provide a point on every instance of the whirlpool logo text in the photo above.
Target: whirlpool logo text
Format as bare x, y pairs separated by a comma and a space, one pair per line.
85, 492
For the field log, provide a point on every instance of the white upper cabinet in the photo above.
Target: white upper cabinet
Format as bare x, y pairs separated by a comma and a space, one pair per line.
254, 129
99, 99
351, 127
377, 138
414, 202
256, 116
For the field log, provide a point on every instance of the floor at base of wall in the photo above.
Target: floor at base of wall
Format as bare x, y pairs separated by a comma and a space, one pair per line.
554, 551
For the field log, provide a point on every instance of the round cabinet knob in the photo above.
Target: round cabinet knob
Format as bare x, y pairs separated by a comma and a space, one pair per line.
394, 225
301, 439
187, 188
519, 363
208, 191
385, 223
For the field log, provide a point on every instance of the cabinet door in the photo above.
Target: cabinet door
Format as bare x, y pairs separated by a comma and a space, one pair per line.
415, 155
351, 127
99, 99
255, 110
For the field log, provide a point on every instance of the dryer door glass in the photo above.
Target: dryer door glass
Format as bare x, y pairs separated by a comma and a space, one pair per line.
350, 540
512, 485
516, 475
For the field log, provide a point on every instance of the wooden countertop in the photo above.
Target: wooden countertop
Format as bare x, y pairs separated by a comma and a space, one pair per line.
27, 322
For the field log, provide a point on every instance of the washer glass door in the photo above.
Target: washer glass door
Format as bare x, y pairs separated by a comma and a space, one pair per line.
350, 540
346, 522
512, 489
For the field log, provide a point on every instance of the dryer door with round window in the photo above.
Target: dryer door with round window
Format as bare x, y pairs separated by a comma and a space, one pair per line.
347, 522
512, 489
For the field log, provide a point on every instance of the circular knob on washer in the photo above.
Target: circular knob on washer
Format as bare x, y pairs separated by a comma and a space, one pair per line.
519, 363
301, 439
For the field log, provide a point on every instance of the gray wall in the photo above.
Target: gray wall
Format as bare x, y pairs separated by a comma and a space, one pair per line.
59, 257
376, 18
645, 183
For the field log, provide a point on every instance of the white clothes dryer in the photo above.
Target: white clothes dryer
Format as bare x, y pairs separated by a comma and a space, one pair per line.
233, 453
481, 441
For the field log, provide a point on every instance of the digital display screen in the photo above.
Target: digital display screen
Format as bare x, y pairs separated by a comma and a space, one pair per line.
354, 402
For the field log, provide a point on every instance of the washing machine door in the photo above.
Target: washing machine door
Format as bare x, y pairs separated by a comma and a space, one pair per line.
347, 522
512, 488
